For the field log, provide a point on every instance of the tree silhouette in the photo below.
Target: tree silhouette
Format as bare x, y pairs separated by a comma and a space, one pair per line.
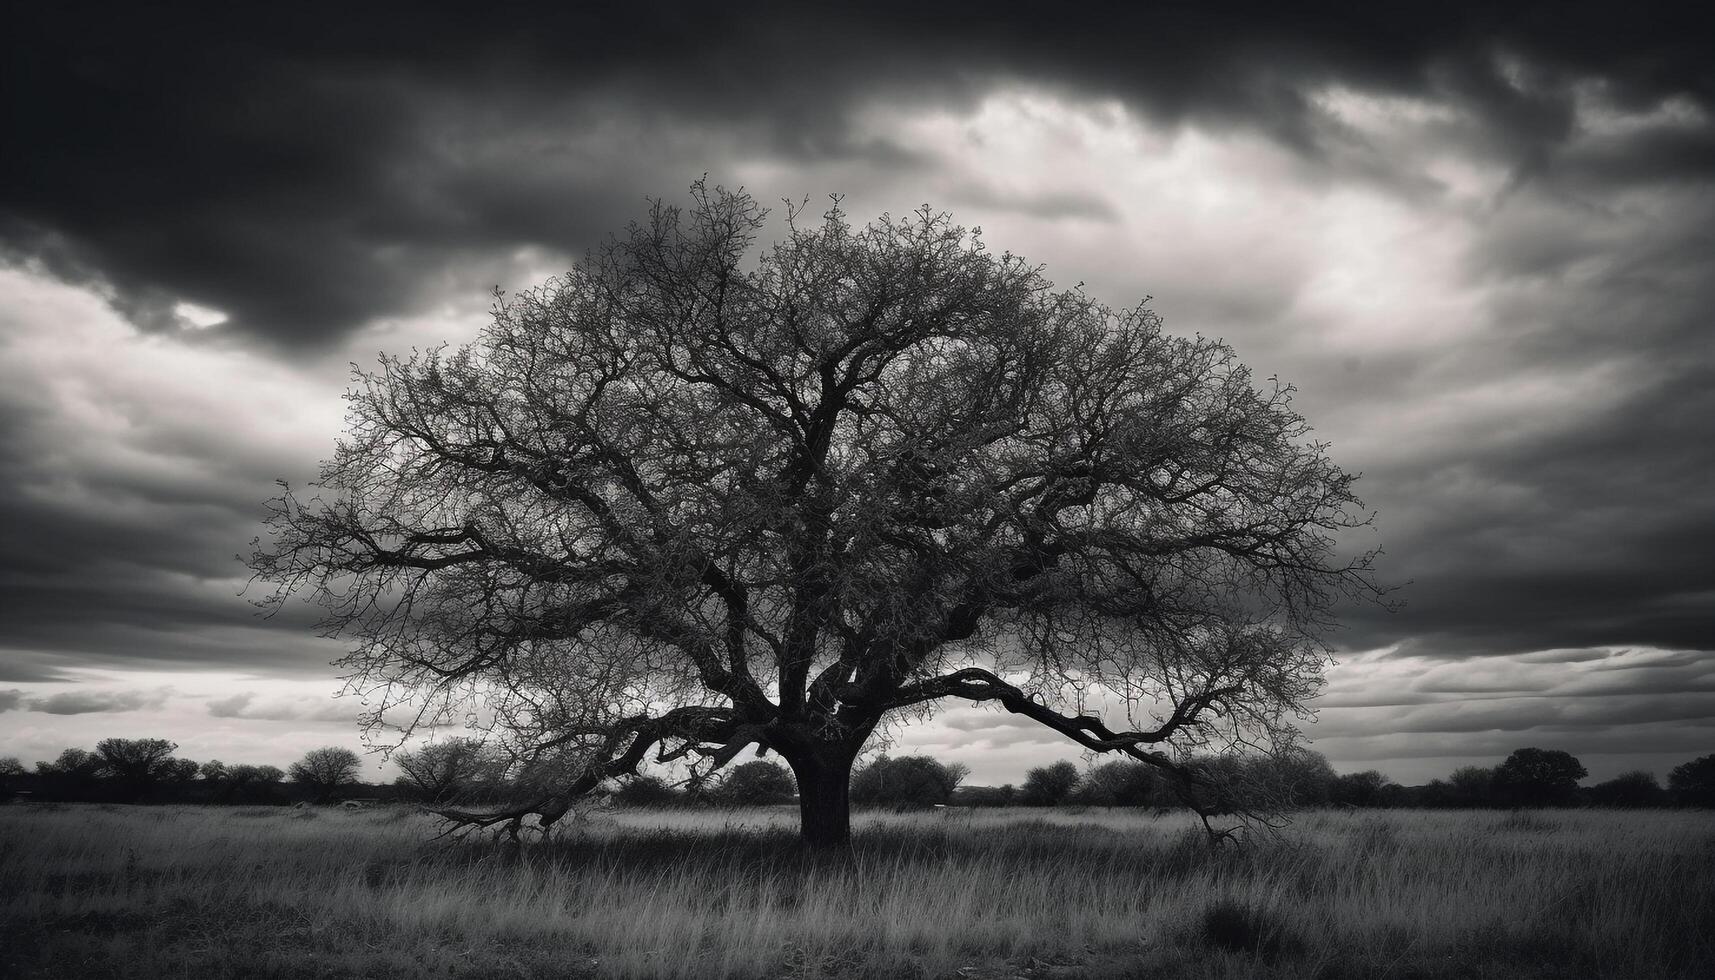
759, 783
1294, 777
1048, 785
325, 770
10, 769
137, 765
1367, 788
912, 780
240, 782
1693, 784
1538, 777
645, 791
1119, 782
1472, 786
444, 770
684, 502
1630, 789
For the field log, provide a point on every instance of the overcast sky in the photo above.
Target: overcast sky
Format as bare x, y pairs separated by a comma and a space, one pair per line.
1481, 244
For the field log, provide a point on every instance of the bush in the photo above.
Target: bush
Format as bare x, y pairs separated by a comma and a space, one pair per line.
759, 783
645, 791
913, 780
1538, 777
1693, 784
1049, 785
1632, 789
1360, 789
1121, 782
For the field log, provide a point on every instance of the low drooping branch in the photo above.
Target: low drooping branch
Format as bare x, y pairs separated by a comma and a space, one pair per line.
979, 685
624, 746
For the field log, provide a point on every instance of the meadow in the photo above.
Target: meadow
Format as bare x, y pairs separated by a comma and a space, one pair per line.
110, 891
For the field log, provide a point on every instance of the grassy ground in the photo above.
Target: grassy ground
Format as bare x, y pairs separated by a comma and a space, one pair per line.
146, 892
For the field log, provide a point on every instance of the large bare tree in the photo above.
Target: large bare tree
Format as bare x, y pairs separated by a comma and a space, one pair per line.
688, 499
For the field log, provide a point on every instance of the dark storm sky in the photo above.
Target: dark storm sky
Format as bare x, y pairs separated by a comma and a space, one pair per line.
1479, 241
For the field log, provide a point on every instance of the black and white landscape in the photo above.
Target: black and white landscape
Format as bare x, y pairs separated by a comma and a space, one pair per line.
764, 490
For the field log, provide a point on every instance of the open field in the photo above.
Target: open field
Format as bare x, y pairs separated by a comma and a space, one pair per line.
92, 891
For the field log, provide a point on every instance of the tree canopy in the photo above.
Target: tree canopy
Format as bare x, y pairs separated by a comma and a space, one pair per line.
448, 768
325, 770
1693, 783
908, 780
759, 783
1048, 785
689, 498
1537, 777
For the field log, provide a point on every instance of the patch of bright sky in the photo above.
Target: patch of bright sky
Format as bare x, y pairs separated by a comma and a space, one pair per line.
199, 317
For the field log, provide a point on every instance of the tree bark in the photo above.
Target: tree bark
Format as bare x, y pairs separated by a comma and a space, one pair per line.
824, 798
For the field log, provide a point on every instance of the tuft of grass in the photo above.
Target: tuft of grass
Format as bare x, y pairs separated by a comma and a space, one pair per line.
1238, 927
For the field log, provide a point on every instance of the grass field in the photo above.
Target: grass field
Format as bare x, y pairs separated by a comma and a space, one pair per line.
101, 891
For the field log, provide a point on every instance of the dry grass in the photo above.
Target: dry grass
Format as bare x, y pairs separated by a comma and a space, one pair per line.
135, 892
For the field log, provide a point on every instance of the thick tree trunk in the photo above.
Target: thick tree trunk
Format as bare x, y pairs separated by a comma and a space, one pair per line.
824, 798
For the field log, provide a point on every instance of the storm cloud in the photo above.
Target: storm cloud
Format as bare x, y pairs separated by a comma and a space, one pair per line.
93, 702
306, 169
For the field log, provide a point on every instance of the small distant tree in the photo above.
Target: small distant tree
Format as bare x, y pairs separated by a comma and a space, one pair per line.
447, 770
1693, 784
1226, 784
70, 761
1361, 789
256, 775
1120, 782
645, 791
1048, 785
759, 783
1631, 789
1292, 777
246, 783
1470, 786
10, 769
324, 771
1435, 795
180, 773
73, 775
912, 780
138, 765
1538, 777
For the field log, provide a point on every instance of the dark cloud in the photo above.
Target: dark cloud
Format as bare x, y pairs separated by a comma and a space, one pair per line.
308, 169
230, 707
91, 702
11, 699
102, 565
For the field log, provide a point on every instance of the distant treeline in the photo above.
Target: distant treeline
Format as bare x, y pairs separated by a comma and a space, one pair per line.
467, 771
1527, 777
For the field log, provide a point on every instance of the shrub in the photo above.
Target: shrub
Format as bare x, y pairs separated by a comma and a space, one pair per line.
913, 780
1049, 785
645, 791
1632, 789
1693, 784
759, 783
